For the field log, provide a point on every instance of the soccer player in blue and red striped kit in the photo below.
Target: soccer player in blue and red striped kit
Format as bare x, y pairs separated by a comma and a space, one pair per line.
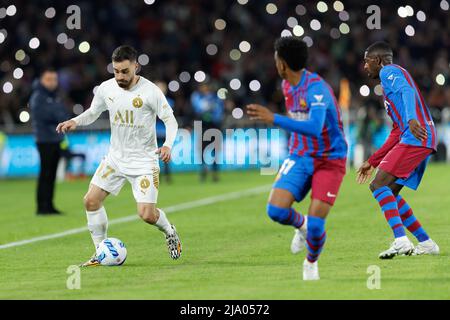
401, 161
317, 151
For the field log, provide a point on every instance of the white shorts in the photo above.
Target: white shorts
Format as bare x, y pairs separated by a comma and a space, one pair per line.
145, 187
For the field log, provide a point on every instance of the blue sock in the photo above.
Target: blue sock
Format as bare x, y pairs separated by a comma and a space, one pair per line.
409, 220
388, 205
286, 216
315, 237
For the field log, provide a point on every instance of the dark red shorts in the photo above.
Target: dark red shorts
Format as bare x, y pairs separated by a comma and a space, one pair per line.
327, 179
403, 159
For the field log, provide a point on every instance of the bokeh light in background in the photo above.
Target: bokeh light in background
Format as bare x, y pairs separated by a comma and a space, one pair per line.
235, 84
440, 79
84, 47
184, 76
143, 59
24, 116
364, 90
174, 86
237, 113
254, 85
18, 73
34, 43
212, 49
220, 24
7, 87
200, 76
271, 8
50, 13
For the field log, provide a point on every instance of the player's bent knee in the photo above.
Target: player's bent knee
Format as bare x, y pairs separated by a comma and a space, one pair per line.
276, 213
91, 203
148, 214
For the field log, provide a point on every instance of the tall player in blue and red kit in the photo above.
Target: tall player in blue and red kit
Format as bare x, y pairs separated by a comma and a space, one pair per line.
317, 151
401, 161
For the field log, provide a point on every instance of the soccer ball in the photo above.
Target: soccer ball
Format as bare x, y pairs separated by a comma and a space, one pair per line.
111, 252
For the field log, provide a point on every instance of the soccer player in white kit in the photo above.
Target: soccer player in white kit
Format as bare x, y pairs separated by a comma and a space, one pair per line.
133, 103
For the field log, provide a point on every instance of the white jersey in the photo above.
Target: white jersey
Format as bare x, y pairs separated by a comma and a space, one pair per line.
132, 114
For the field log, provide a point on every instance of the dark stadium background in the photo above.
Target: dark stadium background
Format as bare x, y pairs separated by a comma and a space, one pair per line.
175, 35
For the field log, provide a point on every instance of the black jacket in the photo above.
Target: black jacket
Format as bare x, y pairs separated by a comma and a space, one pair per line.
47, 110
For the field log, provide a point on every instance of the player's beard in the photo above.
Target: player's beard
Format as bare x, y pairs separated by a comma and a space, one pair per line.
125, 84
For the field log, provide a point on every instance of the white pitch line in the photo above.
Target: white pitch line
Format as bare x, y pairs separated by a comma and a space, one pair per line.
174, 208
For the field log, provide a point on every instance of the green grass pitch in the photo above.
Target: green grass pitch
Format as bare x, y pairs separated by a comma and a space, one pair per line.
231, 249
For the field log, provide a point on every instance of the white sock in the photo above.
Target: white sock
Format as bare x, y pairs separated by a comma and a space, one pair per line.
163, 224
402, 239
97, 225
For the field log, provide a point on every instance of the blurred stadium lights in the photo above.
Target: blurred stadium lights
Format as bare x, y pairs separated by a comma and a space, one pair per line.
77, 109
286, 33
338, 6
254, 85
34, 43
61, 38
378, 90
298, 30
300, 10
50, 13
315, 24
84, 47
235, 54
421, 16
24, 116
200, 76
244, 46
309, 41
222, 93
235, 84
237, 113
7, 87
444, 5
344, 28
11, 10
322, 7
174, 86
440, 79
211, 49
364, 90
343, 15
18, 73
242, 2
184, 77
149, 2
271, 8
409, 30
292, 22
220, 24
143, 59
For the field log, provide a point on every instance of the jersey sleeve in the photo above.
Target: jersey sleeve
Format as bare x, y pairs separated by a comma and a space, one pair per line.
318, 99
163, 109
98, 105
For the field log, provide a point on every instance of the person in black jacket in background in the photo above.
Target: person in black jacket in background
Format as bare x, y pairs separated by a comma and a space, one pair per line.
47, 110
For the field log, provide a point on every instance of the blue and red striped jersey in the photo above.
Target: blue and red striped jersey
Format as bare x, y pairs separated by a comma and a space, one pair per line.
404, 102
312, 103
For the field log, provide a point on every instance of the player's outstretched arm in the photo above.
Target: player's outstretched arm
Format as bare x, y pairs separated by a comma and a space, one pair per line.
312, 127
66, 126
364, 172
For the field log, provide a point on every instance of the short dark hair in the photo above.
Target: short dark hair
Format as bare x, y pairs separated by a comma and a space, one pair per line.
380, 48
124, 52
293, 50
45, 69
